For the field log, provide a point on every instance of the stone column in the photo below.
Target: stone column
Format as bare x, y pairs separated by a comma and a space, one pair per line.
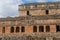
44, 28
14, 29
37, 28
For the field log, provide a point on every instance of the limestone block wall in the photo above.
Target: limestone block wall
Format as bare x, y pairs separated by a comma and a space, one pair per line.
37, 17
31, 37
39, 9
37, 12
29, 27
23, 13
28, 30
40, 12
54, 11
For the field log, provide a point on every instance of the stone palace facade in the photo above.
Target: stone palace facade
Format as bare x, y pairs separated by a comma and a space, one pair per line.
36, 21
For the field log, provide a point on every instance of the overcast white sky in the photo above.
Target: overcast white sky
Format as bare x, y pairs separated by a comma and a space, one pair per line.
10, 7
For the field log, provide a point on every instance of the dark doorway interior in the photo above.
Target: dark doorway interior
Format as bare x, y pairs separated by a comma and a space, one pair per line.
34, 28
57, 28
22, 29
28, 13
41, 28
47, 11
47, 28
3, 30
17, 29
12, 29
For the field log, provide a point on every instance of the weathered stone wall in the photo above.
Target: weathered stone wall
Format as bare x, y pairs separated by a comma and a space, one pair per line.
40, 12
23, 13
39, 9
28, 30
52, 36
31, 21
37, 17
37, 12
